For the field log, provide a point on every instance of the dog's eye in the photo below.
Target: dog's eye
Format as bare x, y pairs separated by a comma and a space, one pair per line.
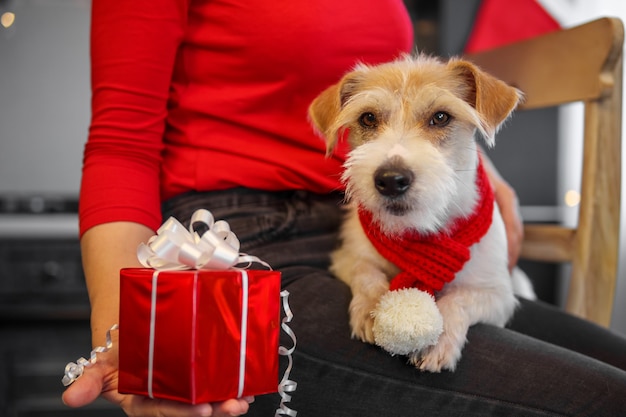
440, 119
368, 120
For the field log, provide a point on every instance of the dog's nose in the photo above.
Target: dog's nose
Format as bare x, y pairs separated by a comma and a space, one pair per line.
393, 182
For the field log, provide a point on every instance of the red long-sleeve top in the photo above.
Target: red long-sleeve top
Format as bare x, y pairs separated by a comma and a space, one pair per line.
209, 95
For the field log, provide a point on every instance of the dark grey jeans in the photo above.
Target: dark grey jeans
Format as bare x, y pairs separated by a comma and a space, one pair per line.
545, 363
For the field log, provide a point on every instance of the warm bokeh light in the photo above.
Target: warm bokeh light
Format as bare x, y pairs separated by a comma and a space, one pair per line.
7, 19
572, 198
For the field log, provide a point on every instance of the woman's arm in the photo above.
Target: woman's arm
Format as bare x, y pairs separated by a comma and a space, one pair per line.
509, 208
106, 249
133, 49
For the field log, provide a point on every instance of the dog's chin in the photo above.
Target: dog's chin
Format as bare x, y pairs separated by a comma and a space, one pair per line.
398, 217
397, 208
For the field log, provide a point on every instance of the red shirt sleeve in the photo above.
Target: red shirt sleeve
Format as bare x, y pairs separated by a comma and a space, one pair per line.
133, 50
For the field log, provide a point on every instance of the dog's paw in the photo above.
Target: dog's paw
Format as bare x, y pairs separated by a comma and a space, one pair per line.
361, 320
443, 356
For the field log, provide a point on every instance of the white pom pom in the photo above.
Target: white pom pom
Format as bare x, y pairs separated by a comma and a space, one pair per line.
406, 321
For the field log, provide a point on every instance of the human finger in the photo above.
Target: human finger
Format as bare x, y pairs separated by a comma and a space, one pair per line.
139, 406
86, 388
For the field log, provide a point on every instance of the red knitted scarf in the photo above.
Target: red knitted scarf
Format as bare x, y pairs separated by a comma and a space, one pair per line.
428, 262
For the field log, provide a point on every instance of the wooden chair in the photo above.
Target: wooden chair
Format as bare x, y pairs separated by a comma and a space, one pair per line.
583, 63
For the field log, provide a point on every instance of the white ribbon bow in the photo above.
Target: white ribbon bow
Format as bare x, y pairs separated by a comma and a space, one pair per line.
176, 248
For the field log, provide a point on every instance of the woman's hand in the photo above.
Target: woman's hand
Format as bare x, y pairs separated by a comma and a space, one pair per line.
100, 379
509, 208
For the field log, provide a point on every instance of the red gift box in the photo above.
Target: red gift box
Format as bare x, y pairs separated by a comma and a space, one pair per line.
198, 336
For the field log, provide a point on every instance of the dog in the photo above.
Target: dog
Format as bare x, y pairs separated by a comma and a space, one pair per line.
412, 166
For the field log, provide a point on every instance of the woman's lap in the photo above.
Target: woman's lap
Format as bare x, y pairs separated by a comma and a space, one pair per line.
503, 372
551, 324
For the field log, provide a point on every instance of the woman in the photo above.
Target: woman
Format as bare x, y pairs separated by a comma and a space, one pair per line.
202, 104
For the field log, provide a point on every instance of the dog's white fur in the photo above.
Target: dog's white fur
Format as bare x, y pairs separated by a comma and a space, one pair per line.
402, 98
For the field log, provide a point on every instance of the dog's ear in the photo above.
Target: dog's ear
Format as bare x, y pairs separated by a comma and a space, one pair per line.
323, 112
325, 109
494, 100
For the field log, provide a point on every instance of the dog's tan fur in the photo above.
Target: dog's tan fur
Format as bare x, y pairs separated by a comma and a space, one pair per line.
390, 115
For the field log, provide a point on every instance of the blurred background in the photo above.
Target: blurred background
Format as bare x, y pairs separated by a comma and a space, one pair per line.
44, 117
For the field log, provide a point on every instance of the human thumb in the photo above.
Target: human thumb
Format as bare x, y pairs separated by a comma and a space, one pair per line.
85, 389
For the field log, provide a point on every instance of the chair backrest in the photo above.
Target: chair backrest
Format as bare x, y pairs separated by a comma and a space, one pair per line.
584, 64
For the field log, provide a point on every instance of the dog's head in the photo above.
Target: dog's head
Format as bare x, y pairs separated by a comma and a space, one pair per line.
410, 125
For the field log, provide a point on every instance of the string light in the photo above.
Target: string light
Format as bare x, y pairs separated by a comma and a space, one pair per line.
7, 19
572, 198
